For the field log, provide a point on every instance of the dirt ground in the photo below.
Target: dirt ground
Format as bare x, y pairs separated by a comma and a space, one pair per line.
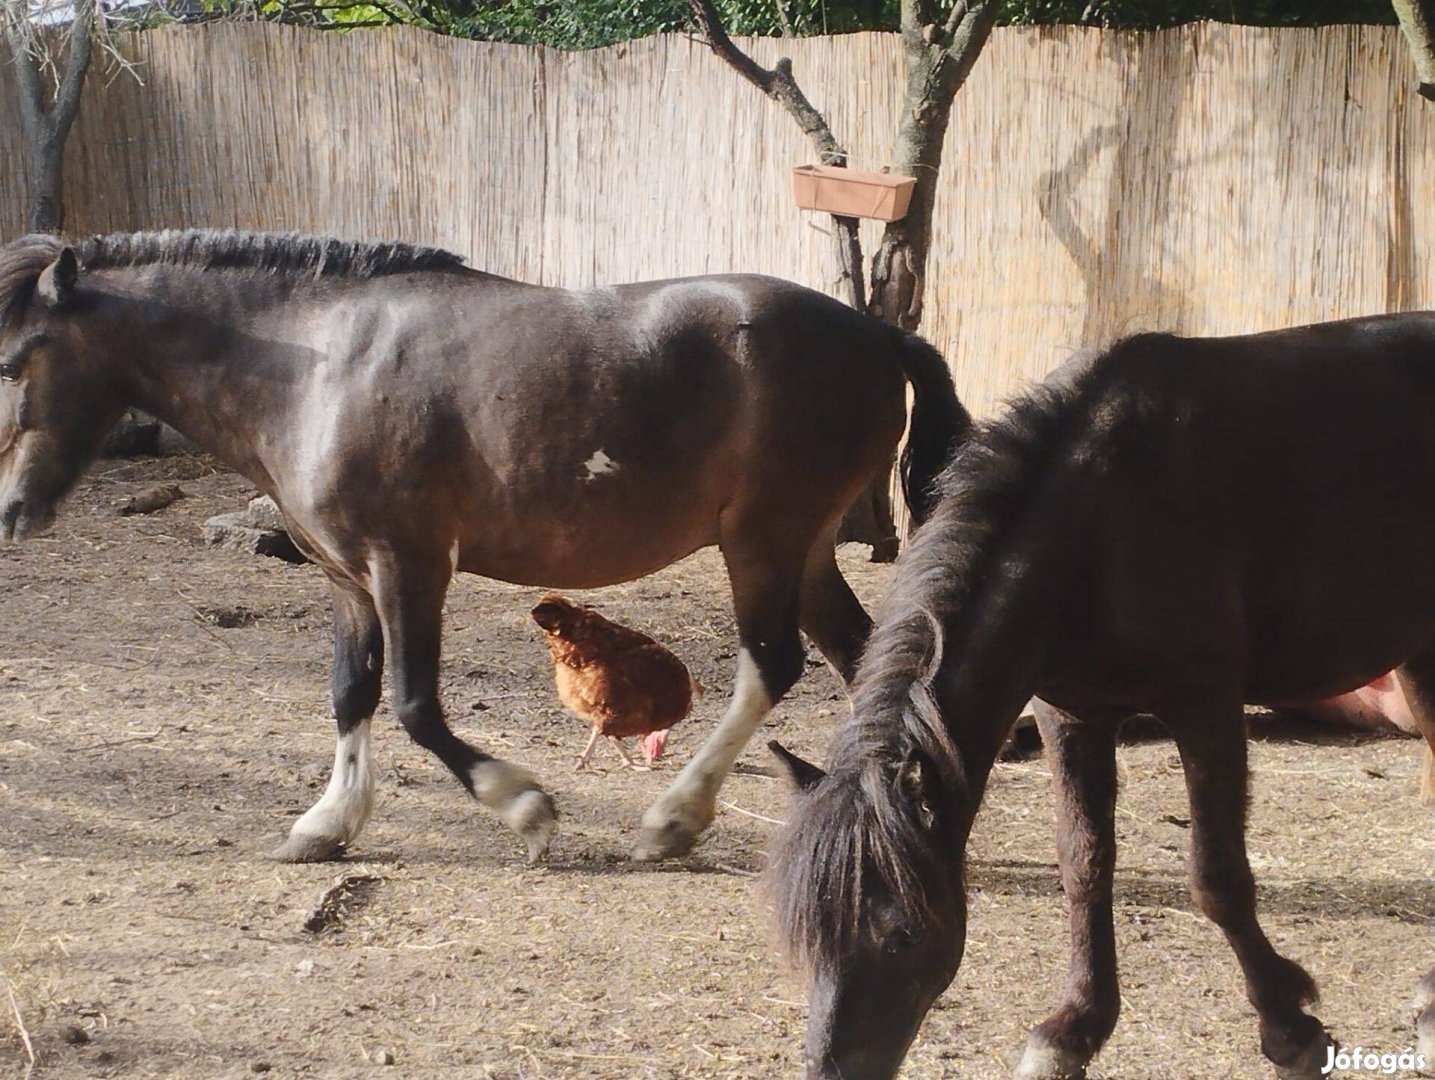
163, 718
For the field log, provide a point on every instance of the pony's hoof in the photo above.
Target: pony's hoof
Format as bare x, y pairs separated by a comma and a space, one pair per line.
670, 829
670, 840
1043, 1062
309, 847
533, 816
1309, 1064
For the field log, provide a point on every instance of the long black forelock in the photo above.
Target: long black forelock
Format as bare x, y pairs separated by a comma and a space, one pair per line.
849, 834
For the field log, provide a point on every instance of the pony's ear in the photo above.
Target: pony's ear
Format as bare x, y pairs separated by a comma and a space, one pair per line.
801, 774
917, 781
56, 287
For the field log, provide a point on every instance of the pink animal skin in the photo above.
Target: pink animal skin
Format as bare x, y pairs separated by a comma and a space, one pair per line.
1379, 705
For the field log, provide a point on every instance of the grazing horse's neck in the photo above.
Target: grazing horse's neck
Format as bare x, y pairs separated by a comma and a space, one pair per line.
993, 671
1000, 609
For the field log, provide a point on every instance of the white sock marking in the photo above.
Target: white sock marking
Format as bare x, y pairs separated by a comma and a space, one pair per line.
347, 802
697, 785
497, 783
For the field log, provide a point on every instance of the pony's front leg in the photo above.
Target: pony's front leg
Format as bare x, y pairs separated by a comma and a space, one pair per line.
770, 660
1082, 756
410, 606
1212, 743
329, 826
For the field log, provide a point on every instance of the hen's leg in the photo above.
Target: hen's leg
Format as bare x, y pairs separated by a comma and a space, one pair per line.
587, 754
627, 757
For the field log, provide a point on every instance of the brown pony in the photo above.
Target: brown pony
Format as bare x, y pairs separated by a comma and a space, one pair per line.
413, 418
1158, 529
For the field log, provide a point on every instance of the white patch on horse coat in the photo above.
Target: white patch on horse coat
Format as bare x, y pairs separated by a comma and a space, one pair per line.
600, 464
349, 799
692, 796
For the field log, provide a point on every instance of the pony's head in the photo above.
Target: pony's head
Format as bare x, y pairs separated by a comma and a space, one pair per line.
57, 400
869, 902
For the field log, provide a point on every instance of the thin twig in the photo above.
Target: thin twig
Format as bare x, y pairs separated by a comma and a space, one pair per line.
117, 742
748, 813
20, 1024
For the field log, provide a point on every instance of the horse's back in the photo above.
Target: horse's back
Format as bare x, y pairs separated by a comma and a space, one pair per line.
591, 436
1290, 476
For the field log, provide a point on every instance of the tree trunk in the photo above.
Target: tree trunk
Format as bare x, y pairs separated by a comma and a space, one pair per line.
939, 59
1417, 20
46, 116
47, 187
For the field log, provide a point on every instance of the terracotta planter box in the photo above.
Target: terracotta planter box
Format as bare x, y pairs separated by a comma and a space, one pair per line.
852, 193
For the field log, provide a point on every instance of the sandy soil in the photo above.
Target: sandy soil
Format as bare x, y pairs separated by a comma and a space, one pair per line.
163, 718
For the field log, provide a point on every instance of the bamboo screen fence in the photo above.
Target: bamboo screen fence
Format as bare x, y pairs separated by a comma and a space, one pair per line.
1208, 179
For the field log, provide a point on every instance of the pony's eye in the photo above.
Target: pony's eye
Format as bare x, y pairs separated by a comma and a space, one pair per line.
9, 372
899, 943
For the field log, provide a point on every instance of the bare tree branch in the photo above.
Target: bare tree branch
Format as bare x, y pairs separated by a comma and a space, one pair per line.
1417, 20
968, 36
954, 20
777, 84
917, 14
77, 63
27, 65
780, 85
50, 67
783, 19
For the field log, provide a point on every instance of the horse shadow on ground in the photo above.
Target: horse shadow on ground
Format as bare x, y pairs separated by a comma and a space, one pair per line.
1403, 900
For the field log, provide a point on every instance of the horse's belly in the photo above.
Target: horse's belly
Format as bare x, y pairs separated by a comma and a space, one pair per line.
584, 551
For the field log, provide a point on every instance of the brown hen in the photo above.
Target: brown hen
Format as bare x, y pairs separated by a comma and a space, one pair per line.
621, 681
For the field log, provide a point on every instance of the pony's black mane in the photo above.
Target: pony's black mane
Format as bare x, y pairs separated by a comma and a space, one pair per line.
293, 254
855, 823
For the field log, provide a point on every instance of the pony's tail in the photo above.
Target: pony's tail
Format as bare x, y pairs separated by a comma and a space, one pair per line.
939, 423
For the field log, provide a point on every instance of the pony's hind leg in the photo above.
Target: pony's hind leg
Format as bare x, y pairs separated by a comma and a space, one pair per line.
333, 823
1425, 1018
1082, 756
830, 614
770, 660
409, 597
1212, 744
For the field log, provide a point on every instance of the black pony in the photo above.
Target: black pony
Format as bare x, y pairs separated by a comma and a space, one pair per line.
1156, 530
